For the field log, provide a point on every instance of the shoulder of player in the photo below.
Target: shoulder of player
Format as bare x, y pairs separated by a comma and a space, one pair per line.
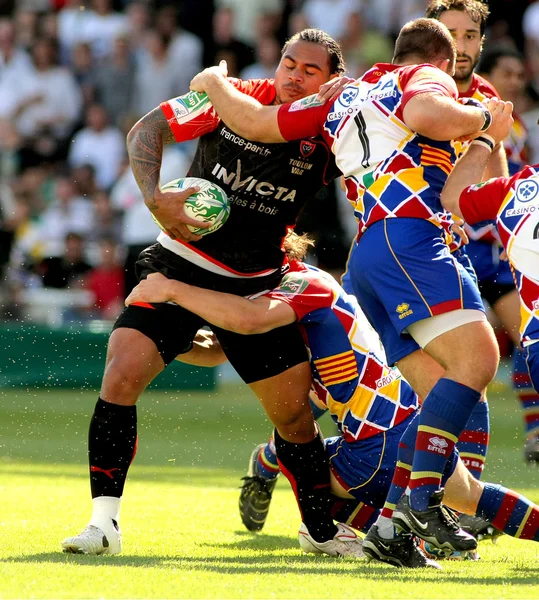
480, 87
423, 73
305, 279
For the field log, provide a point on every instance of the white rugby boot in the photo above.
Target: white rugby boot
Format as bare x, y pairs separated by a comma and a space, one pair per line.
106, 539
345, 543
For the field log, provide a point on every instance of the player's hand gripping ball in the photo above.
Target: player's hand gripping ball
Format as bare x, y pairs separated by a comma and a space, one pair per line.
208, 205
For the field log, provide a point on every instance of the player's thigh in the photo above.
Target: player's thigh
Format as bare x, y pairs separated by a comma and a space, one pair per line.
469, 352
145, 340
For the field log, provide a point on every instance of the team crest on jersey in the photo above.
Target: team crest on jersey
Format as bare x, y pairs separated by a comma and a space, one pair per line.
306, 148
348, 96
527, 190
293, 284
305, 103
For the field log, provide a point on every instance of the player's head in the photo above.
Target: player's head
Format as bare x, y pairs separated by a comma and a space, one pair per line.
296, 246
466, 20
504, 68
425, 41
309, 58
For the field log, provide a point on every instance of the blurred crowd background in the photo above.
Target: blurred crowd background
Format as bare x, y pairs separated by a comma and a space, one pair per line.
75, 75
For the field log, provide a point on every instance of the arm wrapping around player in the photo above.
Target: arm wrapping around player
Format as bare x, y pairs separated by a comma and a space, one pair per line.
226, 311
497, 165
241, 113
470, 168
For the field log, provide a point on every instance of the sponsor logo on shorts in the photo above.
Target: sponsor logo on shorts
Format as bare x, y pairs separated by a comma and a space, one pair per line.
404, 310
437, 444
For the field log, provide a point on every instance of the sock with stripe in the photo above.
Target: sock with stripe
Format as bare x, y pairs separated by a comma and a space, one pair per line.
473, 441
112, 445
267, 465
306, 466
442, 419
509, 512
358, 515
526, 394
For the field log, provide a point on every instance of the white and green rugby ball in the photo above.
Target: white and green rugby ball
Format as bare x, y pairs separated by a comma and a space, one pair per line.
208, 205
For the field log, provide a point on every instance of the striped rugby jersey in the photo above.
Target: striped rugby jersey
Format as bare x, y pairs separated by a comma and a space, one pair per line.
514, 203
390, 171
364, 395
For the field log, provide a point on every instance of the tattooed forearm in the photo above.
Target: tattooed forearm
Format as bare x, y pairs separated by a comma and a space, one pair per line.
145, 149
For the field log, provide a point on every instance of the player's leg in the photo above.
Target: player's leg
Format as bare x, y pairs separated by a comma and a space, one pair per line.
275, 367
413, 286
143, 342
259, 483
508, 511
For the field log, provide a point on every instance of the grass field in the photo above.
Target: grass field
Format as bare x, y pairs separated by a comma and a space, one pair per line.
182, 536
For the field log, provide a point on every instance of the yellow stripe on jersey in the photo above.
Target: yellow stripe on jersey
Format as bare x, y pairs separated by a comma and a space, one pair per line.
435, 157
338, 368
322, 362
440, 432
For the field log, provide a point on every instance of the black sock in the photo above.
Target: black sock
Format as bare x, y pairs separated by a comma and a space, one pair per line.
112, 443
306, 466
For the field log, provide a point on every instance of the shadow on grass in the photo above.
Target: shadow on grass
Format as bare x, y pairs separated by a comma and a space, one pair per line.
274, 562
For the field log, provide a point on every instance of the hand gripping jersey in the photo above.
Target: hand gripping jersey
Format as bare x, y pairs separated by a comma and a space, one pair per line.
267, 185
363, 395
514, 203
390, 171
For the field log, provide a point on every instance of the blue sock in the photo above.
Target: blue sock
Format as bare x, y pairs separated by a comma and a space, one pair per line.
509, 512
527, 395
442, 418
473, 441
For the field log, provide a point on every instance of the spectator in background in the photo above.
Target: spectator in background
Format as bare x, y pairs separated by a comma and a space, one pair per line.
13, 60
72, 27
157, 74
331, 15
84, 70
44, 105
106, 281
268, 54
114, 82
225, 42
100, 145
67, 270
246, 15
185, 49
107, 219
504, 69
138, 24
26, 28
103, 27
67, 213
84, 180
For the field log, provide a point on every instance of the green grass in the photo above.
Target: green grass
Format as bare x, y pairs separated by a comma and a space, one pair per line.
182, 535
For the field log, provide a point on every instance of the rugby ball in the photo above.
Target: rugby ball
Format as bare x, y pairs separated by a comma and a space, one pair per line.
208, 205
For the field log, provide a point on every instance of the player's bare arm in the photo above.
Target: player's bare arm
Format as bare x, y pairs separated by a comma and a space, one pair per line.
440, 117
470, 169
241, 113
227, 311
145, 143
497, 165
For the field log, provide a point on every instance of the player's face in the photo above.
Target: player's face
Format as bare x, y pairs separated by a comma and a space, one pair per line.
304, 67
508, 77
467, 36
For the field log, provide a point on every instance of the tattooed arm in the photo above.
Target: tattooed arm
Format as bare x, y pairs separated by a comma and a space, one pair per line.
145, 144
